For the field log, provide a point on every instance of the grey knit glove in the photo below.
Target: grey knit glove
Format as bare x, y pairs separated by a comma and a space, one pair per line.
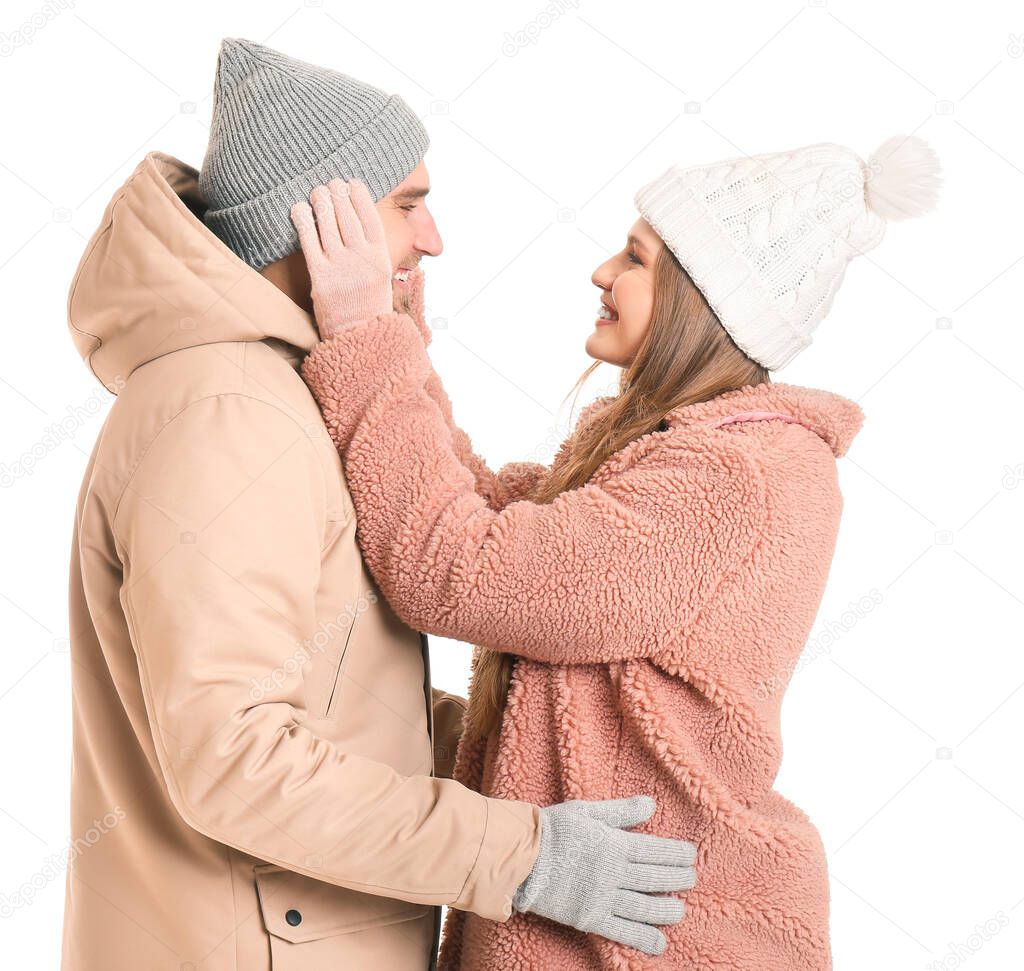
591, 875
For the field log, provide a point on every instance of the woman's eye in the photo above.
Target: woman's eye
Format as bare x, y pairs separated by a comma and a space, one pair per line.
408, 208
633, 258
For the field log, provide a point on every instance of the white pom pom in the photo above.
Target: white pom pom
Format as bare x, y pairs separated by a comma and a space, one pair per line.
902, 178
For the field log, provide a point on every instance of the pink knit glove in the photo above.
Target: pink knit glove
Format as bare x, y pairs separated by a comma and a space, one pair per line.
346, 253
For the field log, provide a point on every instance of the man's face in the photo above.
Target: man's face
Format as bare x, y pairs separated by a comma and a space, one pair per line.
408, 229
408, 224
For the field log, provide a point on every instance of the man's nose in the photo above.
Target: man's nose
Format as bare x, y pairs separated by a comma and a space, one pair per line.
428, 239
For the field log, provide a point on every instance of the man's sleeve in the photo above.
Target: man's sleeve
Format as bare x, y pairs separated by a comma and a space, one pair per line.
220, 531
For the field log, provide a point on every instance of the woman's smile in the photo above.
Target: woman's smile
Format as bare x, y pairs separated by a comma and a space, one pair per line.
606, 315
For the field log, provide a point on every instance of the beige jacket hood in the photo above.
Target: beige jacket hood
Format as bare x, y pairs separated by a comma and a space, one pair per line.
154, 280
254, 776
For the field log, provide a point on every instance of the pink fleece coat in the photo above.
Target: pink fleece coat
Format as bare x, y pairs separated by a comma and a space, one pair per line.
656, 612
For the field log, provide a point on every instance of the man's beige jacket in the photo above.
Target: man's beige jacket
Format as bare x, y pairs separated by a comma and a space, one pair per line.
253, 778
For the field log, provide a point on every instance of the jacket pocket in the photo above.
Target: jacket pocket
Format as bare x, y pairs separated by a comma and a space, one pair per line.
333, 923
334, 686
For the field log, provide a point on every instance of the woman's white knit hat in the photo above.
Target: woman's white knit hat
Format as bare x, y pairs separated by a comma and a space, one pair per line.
767, 238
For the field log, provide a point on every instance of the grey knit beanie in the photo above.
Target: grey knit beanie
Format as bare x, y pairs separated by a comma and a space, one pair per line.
280, 128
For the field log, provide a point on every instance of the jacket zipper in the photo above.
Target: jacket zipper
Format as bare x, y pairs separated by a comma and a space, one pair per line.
425, 650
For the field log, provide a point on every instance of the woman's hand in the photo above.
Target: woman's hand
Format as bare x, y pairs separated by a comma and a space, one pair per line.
342, 238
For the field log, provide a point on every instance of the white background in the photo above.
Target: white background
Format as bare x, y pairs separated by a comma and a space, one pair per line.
903, 726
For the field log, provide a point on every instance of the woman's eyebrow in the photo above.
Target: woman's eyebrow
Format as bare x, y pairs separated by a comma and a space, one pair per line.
635, 242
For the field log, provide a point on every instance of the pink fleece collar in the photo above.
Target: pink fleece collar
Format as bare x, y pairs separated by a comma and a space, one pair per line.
755, 416
832, 417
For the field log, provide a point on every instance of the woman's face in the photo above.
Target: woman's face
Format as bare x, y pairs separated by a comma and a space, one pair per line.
626, 282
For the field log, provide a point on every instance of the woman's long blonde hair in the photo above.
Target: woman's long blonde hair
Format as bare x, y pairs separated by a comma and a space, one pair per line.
686, 357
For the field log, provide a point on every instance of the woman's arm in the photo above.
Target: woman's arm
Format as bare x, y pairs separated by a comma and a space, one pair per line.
612, 570
615, 569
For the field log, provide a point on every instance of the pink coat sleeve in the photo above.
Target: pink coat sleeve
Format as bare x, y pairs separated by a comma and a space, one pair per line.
605, 572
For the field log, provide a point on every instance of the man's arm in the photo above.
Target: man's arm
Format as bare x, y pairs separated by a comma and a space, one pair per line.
220, 534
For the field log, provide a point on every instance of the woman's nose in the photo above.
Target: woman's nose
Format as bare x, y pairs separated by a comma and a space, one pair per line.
602, 277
